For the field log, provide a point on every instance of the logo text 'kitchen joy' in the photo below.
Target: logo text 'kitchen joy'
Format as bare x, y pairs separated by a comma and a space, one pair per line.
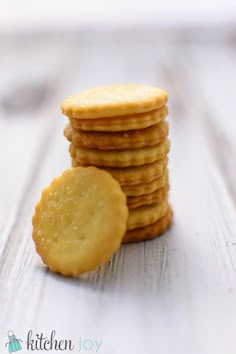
40, 341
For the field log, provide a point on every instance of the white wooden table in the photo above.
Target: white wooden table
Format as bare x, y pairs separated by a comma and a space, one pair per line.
175, 294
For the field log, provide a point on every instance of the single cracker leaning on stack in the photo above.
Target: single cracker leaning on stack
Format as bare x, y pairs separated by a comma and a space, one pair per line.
122, 129
80, 221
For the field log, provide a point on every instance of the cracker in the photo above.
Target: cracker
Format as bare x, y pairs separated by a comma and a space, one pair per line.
146, 188
150, 231
146, 215
123, 123
115, 100
147, 199
132, 139
120, 158
134, 174
80, 220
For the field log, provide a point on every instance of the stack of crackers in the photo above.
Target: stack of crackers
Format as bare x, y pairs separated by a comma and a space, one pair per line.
122, 130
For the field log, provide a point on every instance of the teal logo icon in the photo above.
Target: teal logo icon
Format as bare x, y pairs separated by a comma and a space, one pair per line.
13, 343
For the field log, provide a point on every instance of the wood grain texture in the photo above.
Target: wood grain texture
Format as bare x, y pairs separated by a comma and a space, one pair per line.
175, 294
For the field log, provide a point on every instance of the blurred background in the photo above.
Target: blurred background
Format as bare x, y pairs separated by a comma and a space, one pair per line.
62, 15
98, 42
52, 49
104, 41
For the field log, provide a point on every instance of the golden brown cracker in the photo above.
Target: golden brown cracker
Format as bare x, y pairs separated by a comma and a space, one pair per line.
132, 139
146, 215
122, 123
80, 220
146, 188
115, 100
120, 158
150, 231
147, 199
134, 174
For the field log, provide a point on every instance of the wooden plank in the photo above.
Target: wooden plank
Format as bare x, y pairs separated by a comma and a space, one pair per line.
174, 294
217, 87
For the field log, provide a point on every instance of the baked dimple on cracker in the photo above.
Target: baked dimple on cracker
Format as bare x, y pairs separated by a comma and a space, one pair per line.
80, 220
115, 100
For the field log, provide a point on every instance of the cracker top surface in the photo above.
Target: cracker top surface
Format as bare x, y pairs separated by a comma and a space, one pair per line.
116, 100
80, 220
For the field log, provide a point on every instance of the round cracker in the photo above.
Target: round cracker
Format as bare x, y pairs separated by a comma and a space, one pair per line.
80, 220
132, 139
134, 174
146, 215
147, 199
120, 158
115, 100
121, 123
150, 231
146, 188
